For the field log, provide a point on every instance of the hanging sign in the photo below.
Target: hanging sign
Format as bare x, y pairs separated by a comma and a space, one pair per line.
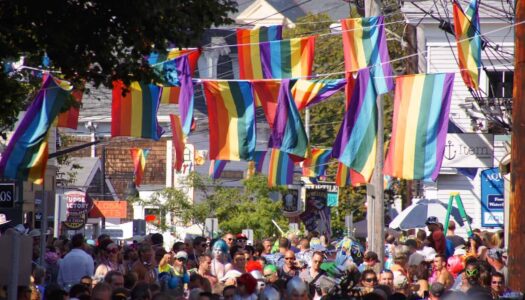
316, 217
78, 205
468, 150
291, 203
492, 198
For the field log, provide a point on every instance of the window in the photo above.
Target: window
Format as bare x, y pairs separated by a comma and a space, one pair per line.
500, 84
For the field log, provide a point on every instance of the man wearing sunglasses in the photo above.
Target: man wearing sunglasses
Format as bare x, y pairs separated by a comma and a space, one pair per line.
229, 239
497, 285
200, 245
290, 268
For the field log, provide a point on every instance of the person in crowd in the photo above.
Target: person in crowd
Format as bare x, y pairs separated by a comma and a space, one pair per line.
476, 247
79, 291
115, 279
436, 238
294, 242
241, 240
304, 256
419, 276
219, 262
267, 247
368, 281
204, 269
370, 259
229, 239
451, 235
173, 275
101, 291
129, 257
284, 245
399, 265
108, 260
130, 280
200, 245
141, 292
441, 274
414, 258
389, 250
229, 292
436, 291
144, 267
246, 287
178, 246
495, 259
249, 252
76, 264
296, 289
497, 285
238, 260
386, 277
290, 268
314, 274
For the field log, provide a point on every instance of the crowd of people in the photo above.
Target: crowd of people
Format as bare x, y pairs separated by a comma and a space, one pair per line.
437, 265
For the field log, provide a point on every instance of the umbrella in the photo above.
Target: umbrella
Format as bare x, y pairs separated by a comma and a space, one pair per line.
416, 214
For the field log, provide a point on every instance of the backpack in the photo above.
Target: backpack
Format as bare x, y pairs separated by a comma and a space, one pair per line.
449, 248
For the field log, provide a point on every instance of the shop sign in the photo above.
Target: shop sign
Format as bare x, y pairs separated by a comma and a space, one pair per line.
78, 205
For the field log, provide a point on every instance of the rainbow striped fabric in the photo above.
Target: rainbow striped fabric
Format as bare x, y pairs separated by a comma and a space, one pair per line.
216, 168
288, 132
316, 163
139, 157
192, 53
288, 58
231, 114
266, 95
178, 141
25, 156
134, 113
309, 92
249, 49
280, 171
468, 40
259, 157
420, 123
364, 43
348, 177
355, 145
69, 118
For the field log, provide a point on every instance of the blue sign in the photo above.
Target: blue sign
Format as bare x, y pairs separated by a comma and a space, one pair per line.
492, 198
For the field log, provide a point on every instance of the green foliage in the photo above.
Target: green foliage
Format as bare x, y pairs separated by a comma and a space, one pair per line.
97, 41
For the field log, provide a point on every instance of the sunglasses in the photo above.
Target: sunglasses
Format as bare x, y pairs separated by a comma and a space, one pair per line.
181, 259
230, 239
204, 245
267, 275
497, 282
289, 258
86, 283
370, 279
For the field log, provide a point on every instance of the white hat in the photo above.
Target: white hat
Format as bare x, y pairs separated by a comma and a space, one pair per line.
182, 254
230, 275
429, 253
3, 219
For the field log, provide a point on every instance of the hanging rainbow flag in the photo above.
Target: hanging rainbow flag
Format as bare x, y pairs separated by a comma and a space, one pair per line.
310, 92
288, 58
288, 133
266, 95
25, 156
468, 40
135, 113
364, 43
69, 118
355, 145
231, 114
178, 141
348, 177
249, 49
216, 168
139, 157
161, 56
420, 123
280, 171
258, 158
315, 164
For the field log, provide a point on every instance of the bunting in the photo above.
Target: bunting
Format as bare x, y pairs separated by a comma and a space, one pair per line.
69, 118
309, 92
421, 113
288, 58
280, 171
355, 145
266, 94
134, 110
315, 164
288, 132
139, 157
468, 40
231, 114
25, 156
216, 168
348, 177
249, 52
364, 43
178, 141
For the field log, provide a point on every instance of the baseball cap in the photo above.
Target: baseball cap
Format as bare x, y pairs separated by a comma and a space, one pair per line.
182, 254
241, 236
431, 220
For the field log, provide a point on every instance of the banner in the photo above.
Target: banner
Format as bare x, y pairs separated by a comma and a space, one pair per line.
78, 205
316, 217
492, 198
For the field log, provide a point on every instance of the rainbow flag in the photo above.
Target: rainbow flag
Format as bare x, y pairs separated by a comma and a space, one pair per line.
316, 163
364, 44
288, 133
134, 113
348, 177
139, 157
468, 40
266, 95
25, 156
231, 114
258, 158
249, 49
178, 141
309, 92
69, 118
420, 123
355, 145
192, 53
281, 167
216, 168
288, 58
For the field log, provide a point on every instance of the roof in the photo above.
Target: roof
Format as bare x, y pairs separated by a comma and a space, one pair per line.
81, 170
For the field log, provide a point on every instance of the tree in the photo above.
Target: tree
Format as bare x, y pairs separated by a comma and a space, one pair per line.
97, 41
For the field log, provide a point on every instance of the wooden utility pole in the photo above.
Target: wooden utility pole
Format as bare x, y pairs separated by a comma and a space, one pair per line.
376, 205
516, 259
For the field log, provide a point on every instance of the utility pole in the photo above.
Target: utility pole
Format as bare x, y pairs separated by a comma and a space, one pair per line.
376, 206
516, 260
